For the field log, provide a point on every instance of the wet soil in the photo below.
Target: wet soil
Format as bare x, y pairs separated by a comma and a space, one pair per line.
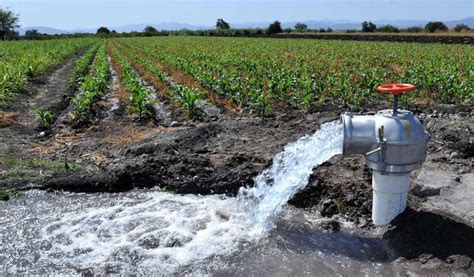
221, 152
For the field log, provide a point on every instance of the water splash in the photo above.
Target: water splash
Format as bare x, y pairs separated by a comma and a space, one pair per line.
289, 174
151, 231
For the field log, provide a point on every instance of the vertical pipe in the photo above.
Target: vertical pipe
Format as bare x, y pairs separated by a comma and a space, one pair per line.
395, 104
389, 196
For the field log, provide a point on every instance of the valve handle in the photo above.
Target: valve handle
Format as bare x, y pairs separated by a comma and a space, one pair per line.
396, 90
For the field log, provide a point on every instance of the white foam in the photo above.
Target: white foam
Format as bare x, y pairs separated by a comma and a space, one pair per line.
161, 230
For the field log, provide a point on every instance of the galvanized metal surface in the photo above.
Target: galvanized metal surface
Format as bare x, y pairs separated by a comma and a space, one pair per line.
392, 143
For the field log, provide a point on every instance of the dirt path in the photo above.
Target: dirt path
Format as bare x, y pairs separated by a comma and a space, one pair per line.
48, 93
18, 140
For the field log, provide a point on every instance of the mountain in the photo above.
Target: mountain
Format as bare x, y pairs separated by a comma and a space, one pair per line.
313, 24
160, 26
43, 30
469, 21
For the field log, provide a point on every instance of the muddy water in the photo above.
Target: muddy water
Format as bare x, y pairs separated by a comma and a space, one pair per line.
150, 231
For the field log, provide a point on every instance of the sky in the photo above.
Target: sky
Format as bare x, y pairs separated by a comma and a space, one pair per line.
70, 14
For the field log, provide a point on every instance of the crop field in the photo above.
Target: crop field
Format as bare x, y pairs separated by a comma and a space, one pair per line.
262, 75
265, 74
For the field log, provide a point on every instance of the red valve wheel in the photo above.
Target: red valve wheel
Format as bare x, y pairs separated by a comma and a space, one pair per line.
396, 89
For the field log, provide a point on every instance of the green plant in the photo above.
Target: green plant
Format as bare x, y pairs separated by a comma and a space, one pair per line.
140, 98
36, 169
187, 97
83, 65
466, 127
4, 194
141, 101
263, 75
93, 85
7, 194
46, 118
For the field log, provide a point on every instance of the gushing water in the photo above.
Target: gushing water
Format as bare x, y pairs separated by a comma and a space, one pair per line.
289, 173
153, 231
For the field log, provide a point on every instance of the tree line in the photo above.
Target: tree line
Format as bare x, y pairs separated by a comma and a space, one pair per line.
9, 23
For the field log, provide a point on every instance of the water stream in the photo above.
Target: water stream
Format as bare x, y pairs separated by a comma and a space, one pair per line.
150, 231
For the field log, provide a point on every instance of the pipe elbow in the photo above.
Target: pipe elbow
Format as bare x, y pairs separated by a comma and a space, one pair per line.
359, 134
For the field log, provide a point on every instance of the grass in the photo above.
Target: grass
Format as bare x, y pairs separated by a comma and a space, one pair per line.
36, 170
6, 194
465, 126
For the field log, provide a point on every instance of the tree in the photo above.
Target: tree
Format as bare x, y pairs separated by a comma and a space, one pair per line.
435, 26
461, 27
12, 35
368, 27
388, 29
413, 29
32, 34
103, 30
300, 27
222, 25
274, 28
150, 31
8, 23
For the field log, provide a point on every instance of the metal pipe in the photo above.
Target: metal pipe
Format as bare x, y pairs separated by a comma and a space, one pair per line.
394, 144
395, 104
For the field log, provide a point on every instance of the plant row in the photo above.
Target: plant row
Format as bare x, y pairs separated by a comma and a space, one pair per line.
83, 65
264, 74
22, 60
180, 94
142, 100
93, 86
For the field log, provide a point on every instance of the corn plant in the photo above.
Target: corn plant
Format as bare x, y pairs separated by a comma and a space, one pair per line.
187, 98
45, 117
180, 94
93, 85
141, 101
83, 65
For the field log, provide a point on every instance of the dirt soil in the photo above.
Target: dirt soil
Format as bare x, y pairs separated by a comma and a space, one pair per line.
221, 152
